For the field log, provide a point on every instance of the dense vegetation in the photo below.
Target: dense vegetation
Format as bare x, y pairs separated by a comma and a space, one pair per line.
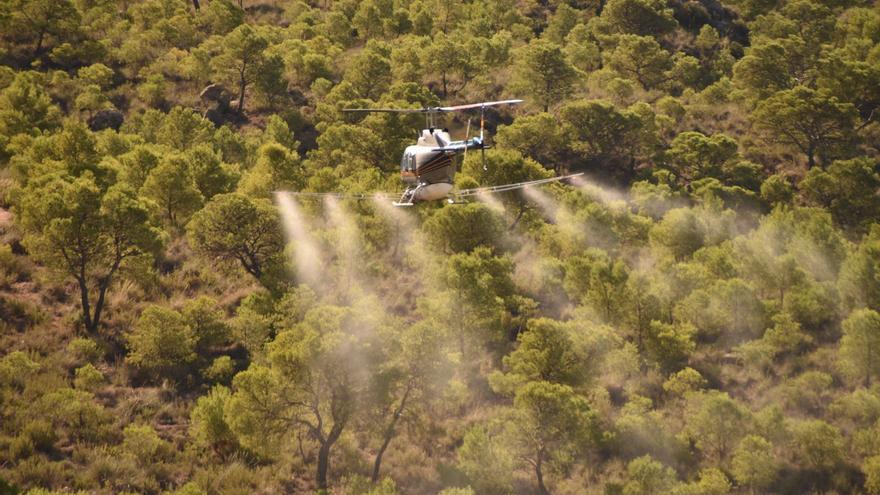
700, 316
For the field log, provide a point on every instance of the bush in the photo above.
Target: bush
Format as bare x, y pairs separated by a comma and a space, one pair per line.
221, 370
85, 350
191, 488
10, 267
162, 343
871, 468
208, 422
143, 443
41, 434
88, 378
16, 367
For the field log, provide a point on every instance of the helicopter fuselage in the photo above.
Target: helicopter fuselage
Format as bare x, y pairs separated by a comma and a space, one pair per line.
430, 161
427, 167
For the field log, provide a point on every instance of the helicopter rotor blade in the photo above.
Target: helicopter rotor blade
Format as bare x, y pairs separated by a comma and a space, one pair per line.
432, 110
384, 110
478, 105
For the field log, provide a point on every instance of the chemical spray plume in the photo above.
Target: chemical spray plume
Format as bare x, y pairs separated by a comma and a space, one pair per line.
605, 195
347, 246
492, 202
549, 207
306, 256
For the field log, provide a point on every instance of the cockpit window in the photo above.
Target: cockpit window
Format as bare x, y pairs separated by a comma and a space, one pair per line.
408, 162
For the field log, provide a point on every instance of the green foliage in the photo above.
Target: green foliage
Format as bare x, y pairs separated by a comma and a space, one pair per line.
605, 134
846, 189
871, 469
206, 319
162, 343
543, 72
859, 280
85, 232
640, 58
812, 122
645, 476
88, 378
242, 61
550, 424
85, 349
715, 422
860, 345
818, 444
462, 230
16, 367
208, 423
754, 464
683, 382
275, 169
235, 228
693, 315
142, 442
222, 370
174, 191
639, 17
486, 464
712, 482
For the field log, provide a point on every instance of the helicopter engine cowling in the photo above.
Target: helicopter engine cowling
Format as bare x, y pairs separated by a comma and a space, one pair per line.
431, 192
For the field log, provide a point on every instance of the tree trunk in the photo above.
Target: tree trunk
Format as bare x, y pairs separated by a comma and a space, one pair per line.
99, 305
540, 475
86, 307
241, 85
389, 433
39, 47
323, 464
196, 4
324, 455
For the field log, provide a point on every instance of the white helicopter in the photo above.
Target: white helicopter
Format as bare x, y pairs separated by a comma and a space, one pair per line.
427, 167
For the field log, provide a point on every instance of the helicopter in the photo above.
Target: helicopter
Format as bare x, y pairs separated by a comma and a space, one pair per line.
428, 167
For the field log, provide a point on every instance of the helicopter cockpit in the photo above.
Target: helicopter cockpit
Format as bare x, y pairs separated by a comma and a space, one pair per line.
408, 162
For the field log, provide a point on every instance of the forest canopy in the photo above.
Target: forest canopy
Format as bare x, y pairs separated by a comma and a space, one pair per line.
698, 313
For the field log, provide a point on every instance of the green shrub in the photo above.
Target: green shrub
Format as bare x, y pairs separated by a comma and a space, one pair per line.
10, 267
161, 343
41, 434
88, 378
143, 443
85, 350
21, 447
458, 491
208, 422
221, 370
191, 488
16, 367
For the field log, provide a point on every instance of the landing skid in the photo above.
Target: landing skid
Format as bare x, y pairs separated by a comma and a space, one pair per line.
406, 199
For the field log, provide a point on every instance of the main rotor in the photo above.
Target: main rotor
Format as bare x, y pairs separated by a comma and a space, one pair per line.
431, 112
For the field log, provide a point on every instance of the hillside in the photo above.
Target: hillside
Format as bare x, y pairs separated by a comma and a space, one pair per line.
698, 313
